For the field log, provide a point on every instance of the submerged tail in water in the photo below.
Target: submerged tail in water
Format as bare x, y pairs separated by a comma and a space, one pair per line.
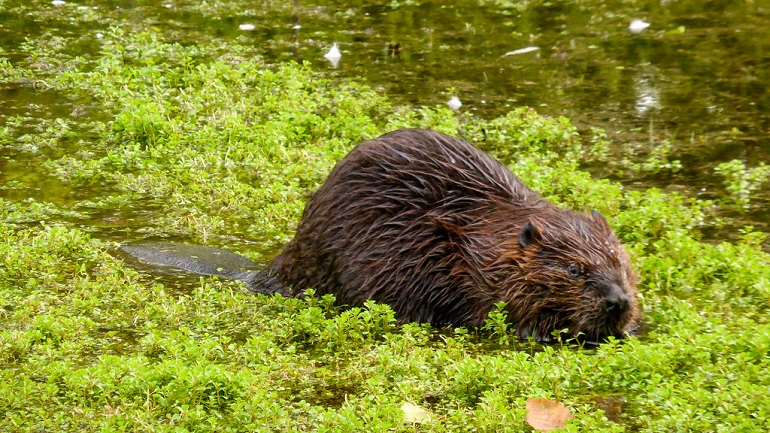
208, 261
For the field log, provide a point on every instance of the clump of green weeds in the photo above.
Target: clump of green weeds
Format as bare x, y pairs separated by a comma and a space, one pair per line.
741, 181
657, 160
222, 148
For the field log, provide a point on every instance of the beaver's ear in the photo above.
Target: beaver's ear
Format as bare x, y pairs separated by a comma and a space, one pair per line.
599, 218
530, 234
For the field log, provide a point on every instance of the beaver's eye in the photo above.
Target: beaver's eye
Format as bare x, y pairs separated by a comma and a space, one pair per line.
573, 271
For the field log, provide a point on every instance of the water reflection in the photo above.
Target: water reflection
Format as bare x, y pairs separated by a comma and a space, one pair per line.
646, 91
700, 71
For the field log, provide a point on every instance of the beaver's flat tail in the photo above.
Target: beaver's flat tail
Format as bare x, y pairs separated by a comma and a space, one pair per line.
207, 261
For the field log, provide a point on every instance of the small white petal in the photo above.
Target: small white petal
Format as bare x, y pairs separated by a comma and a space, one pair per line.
58, 2
334, 55
297, 27
521, 51
247, 27
638, 26
454, 103
99, 35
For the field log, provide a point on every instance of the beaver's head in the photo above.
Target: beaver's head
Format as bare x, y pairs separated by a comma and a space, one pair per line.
570, 275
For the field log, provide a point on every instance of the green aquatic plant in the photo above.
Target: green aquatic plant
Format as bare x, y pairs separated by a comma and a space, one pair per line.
657, 160
216, 148
741, 181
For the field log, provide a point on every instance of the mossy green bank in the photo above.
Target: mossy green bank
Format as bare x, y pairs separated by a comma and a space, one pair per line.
211, 145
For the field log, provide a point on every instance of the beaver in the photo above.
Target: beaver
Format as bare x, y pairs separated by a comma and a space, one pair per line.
442, 232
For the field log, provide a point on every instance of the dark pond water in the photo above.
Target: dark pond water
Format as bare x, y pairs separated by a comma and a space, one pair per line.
697, 77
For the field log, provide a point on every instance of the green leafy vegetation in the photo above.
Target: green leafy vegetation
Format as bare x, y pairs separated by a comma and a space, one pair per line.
741, 181
212, 145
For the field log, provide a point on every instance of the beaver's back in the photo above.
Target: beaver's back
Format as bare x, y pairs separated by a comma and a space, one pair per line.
380, 226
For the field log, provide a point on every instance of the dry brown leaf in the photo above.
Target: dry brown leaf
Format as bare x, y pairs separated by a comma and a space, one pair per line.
416, 414
546, 415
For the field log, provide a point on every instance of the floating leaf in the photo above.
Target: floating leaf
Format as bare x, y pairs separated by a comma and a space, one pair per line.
546, 415
677, 31
416, 414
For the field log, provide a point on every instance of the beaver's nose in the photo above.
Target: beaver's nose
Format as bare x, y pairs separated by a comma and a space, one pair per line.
616, 302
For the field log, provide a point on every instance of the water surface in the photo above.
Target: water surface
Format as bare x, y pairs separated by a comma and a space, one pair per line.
697, 77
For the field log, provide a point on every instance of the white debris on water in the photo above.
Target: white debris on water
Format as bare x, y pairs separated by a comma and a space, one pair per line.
334, 55
247, 27
524, 50
638, 26
454, 103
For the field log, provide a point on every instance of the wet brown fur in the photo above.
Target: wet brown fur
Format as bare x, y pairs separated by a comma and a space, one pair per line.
441, 232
